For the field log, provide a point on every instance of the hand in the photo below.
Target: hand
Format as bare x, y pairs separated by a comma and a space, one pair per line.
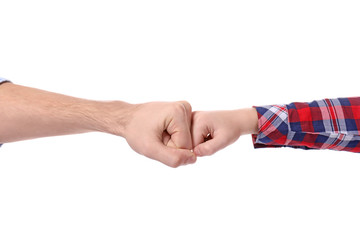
212, 131
161, 131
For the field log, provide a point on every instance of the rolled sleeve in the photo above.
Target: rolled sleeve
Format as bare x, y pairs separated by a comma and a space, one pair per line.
273, 126
322, 124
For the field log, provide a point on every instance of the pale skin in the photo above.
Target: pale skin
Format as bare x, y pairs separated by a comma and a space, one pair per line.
214, 130
165, 131
158, 130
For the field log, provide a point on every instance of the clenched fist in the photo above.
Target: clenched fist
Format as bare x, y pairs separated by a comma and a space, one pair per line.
214, 130
161, 131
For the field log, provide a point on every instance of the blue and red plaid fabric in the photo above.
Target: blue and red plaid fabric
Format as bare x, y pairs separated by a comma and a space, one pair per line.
323, 124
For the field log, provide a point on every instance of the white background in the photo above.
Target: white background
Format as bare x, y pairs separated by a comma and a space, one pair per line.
214, 54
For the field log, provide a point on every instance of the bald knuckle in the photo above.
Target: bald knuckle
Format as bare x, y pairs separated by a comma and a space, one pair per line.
199, 118
187, 106
178, 109
175, 160
207, 150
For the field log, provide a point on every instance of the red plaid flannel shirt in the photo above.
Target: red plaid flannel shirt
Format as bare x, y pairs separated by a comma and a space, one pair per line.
323, 124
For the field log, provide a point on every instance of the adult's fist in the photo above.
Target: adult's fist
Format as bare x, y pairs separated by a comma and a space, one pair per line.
161, 131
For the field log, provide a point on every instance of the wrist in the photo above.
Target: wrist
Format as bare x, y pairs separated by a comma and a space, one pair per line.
248, 121
113, 117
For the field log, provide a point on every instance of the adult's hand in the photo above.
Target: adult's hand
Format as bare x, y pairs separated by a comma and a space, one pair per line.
157, 130
161, 131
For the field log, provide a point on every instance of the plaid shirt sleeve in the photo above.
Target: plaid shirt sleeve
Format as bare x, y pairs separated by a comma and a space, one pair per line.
323, 124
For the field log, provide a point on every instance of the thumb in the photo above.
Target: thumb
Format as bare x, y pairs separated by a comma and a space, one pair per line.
172, 157
210, 147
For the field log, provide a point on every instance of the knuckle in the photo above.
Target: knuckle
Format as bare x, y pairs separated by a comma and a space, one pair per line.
200, 115
207, 150
176, 162
183, 108
196, 117
173, 165
195, 114
187, 105
146, 149
178, 107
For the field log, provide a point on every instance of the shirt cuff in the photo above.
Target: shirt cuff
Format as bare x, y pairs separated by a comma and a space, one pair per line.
273, 126
3, 80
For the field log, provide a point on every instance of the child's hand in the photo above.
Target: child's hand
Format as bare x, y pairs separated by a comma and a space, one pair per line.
213, 131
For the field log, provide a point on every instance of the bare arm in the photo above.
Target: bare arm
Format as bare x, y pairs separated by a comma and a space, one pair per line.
157, 130
28, 113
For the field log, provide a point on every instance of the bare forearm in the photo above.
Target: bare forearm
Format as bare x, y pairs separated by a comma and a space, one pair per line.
248, 120
28, 113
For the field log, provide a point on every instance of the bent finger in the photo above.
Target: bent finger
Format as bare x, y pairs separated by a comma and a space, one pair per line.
210, 147
200, 129
179, 126
173, 157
